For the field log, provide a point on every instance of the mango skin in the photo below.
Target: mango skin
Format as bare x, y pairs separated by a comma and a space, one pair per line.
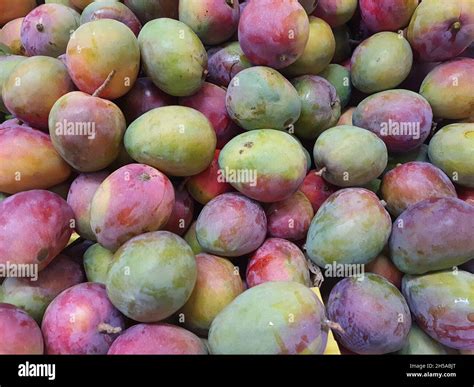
275, 157
438, 34
419, 343
343, 49
144, 204
86, 152
271, 318
28, 160
80, 197
277, 260
243, 231
318, 52
290, 218
182, 214
273, 33
213, 22
97, 260
451, 150
335, 12
173, 56
449, 88
152, 276
410, 183
36, 226
225, 63
261, 98
351, 227
344, 152
340, 78
434, 234
98, 48
19, 333
46, 30
372, 312
320, 106
434, 300
387, 15
382, 110
73, 323
34, 297
218, 284
43, 81
381, 62
177, 140
157, 339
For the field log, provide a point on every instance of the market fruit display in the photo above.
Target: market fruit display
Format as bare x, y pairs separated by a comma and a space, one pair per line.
207, 177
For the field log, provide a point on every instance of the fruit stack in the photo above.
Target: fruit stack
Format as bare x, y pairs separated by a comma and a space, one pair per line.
177, 177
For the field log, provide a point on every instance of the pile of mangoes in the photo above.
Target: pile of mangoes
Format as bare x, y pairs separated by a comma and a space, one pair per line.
176, 176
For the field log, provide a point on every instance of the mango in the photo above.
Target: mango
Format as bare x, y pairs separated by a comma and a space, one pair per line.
340, 78
97, 260
29, 161
442, 304
318, 52
81, 321
349, 156
218, 284
410, 183
277, 260
261, 98
157, 339
36, 226
335, 12
152, 276
144, 203
290, 218
47, 29
419, 343
19, 333
449, 89
80, 197
372, 313
381, 62
147, 10
387, 15
265, 165
439, 31
401, 118
103, 53
173, 56
177, 140
10, 11
33, 87
243, 230
34, 296
434, 234
271, 318
320, 106
451, 150
351, 227
273, 33
225, 63
111, 10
